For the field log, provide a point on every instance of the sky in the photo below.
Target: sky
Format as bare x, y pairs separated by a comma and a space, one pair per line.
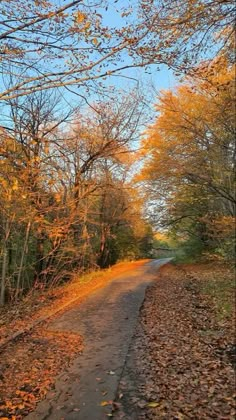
154, 79
150, 81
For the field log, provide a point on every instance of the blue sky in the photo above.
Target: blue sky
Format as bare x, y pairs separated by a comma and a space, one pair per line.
151, 81
160, 78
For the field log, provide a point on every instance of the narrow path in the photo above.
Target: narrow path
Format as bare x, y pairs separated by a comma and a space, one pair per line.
106, 320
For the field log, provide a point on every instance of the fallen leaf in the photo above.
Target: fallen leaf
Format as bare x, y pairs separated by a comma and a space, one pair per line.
104, 403
152, 404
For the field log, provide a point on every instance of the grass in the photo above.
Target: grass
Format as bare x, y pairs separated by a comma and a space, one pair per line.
221, 289
216, 281
182, 258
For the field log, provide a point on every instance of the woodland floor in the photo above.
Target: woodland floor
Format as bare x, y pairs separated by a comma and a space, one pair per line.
182, 359
180, 364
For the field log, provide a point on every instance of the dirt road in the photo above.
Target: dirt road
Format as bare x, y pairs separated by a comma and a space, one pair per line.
106, 320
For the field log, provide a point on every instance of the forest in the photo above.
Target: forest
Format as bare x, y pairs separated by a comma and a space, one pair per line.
87, 176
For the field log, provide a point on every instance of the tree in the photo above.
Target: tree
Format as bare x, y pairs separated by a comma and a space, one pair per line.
191, 153
63, 188
188, 31
46, 45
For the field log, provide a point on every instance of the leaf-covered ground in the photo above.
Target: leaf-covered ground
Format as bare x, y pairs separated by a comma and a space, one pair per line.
29, 365
181, 362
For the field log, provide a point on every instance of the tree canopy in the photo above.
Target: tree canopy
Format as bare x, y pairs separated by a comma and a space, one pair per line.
72, 43
68, 197
190, 149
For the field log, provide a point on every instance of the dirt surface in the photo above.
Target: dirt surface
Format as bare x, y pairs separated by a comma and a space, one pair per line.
106, 320
180, 363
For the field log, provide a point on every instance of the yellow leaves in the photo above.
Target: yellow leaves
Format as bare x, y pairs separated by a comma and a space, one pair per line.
15, 185
176, 142
80, 17
51, 182
87, 25
4, 183
57, 197
114, 406
9, 188
152, 404
184, 150
50, 14
81, 23
95, 41
105, 403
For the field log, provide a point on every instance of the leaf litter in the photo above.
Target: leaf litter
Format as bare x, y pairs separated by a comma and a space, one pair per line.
30, 363
179, 366
29, 367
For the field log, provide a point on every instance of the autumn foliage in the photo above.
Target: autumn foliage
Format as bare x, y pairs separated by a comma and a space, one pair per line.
189, 166
66, 201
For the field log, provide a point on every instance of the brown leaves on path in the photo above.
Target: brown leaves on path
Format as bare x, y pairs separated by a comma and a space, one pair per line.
180, 351
29, 368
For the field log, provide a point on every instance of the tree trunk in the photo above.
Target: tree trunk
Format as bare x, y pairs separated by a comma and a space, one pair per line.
4, 263
22, 259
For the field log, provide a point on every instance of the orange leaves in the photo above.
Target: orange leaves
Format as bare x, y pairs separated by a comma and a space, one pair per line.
188, 152
184, 132
80, 17
95, 41
105, 403
38, 358
82, 24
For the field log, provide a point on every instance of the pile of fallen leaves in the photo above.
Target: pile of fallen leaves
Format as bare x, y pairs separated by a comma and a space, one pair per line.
29, 367
182, 354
